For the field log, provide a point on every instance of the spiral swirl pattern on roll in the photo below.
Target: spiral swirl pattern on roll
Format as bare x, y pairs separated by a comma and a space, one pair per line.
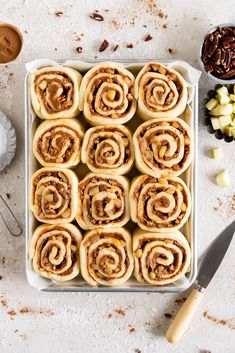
160, 91
160, 259
103, 201
54, 251
159, 204
106, 94
58, 142
106, 256
54, 195
55, 92
163, 147
108, 149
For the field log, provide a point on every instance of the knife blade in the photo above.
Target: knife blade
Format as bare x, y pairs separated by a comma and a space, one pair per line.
208, 268
215, 255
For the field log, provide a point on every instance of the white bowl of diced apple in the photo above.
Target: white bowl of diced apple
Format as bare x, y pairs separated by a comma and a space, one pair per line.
221, 110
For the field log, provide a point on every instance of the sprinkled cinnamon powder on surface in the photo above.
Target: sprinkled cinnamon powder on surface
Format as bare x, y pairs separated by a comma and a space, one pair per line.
29, 310
115, 23
180, 301
3, 302
218, 321
131, 329
153, 9
11, 314
120, 312
225, 205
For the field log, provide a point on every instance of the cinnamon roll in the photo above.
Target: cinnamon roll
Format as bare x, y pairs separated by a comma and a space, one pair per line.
106, 256
54, 251
159, 204
54, 195
108, 149
106, 94
160, 258
160, 91
163, 147
55, 92
58, 142
103, 201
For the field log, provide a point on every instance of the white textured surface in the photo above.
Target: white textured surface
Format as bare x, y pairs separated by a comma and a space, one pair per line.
89, 322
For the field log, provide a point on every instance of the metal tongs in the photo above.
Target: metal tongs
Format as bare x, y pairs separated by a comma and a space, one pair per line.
9, 219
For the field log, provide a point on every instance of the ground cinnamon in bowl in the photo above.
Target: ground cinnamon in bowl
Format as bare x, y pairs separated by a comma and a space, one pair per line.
10, 43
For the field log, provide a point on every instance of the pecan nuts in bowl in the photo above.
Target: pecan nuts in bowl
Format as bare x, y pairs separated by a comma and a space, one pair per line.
217, 53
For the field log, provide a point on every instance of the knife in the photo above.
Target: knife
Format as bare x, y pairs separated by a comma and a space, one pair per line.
209, 266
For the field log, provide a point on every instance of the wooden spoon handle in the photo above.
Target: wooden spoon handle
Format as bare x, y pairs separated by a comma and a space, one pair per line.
184, 316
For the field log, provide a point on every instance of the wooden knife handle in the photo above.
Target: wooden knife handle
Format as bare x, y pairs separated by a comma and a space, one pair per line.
184, 316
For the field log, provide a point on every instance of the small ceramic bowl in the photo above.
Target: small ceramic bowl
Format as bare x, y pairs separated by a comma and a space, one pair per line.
218, 80
17, 31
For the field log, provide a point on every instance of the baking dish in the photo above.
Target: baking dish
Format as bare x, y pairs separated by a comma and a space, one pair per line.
190, 177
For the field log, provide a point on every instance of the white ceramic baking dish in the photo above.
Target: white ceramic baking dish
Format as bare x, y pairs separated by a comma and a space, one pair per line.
191, 76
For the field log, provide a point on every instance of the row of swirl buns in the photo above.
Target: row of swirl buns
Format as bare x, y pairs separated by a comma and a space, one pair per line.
108, 93
160, 147
108, 256
105, 201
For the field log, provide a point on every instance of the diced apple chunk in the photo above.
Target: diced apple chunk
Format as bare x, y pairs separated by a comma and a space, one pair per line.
233, 132
223, 99
233, 107
217, 153
211, 104
215, 123
232, 97
216, 111
223, 179
222, 90
226, 109
228, 130
225, 120
222, 109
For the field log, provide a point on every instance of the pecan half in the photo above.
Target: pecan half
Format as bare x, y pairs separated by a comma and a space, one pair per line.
217, 56
229, 74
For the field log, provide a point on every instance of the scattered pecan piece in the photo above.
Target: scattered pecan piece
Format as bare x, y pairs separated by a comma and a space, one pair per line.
148, 37
104, 46
79, 50
172, 51
59, 13
130, 46
115, 47
97, 17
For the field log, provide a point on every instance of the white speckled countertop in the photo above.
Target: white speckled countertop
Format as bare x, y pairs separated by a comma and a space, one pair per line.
33, 322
